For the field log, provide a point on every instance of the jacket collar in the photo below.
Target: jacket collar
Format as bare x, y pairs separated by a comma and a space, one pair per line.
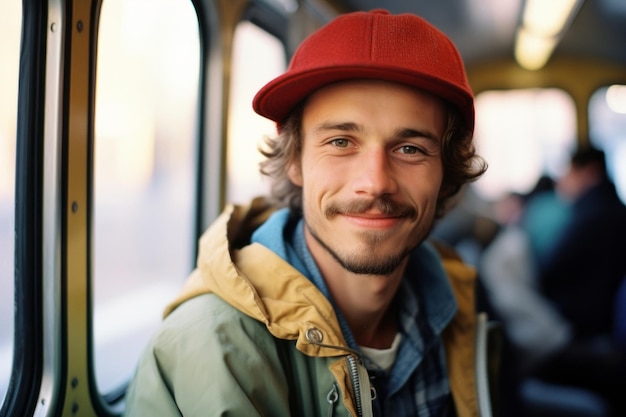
288, 304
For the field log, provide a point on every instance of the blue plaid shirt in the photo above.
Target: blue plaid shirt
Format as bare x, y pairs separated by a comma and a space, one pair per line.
417, 384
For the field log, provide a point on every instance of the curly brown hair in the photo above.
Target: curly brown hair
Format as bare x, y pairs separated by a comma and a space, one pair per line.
461, 163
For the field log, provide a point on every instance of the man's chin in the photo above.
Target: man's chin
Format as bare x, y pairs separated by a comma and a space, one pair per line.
362, 264
368, 253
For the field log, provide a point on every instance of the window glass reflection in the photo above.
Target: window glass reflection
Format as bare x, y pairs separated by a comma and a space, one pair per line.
146, 106
253, 48
523, 134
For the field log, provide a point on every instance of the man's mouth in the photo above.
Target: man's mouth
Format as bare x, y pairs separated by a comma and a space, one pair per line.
380, 209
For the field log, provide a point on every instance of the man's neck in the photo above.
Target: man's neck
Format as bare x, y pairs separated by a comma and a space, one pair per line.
365, 301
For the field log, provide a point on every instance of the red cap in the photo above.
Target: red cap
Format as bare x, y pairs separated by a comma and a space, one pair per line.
373, 45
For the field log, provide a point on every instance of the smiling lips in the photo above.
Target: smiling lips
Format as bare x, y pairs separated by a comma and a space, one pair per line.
373, 220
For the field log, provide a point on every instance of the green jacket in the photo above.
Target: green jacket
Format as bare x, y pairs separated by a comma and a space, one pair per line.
236, 343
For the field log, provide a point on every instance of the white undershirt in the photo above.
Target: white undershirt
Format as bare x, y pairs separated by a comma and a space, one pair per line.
384, 358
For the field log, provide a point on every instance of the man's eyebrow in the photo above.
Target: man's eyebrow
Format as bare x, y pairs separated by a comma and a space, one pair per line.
343, 126
407, 133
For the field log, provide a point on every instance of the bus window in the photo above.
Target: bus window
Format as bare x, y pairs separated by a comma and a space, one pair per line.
257, 58
10, 19
144, 179
523, 134
607, 124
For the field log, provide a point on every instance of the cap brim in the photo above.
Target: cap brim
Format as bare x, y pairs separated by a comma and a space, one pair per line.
280, 96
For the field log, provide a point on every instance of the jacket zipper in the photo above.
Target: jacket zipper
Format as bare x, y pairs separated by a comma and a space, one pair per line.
315, 336
356, 383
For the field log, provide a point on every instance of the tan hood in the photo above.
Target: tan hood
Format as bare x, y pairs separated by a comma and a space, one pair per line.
259, 283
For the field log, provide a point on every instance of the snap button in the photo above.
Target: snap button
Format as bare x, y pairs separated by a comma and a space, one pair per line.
314, 335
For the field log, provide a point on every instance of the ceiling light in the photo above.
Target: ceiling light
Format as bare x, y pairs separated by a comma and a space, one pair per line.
548, 17
531, 51
543, 24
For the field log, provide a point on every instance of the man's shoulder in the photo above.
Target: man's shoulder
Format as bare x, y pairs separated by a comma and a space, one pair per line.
203, 317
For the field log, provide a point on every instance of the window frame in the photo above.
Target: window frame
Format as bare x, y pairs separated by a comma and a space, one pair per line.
28, 351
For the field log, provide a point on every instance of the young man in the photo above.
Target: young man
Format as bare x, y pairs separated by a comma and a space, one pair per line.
335, 304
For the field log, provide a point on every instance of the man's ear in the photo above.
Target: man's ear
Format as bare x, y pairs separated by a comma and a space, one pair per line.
294, 172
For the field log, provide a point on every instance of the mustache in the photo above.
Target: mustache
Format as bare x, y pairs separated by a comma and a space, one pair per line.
384, 205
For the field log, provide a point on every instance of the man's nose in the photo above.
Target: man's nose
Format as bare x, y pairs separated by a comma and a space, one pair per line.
375, 174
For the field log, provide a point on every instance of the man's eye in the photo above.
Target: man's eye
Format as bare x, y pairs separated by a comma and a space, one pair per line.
408, 150
340, 142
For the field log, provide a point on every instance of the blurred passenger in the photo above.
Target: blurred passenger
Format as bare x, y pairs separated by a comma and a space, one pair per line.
533, 329
582, 272
581, 276
509, 270
545, 215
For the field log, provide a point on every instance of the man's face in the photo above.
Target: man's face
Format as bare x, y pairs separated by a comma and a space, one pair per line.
370, 173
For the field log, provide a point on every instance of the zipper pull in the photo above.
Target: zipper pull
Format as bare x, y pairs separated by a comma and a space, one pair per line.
332, 398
